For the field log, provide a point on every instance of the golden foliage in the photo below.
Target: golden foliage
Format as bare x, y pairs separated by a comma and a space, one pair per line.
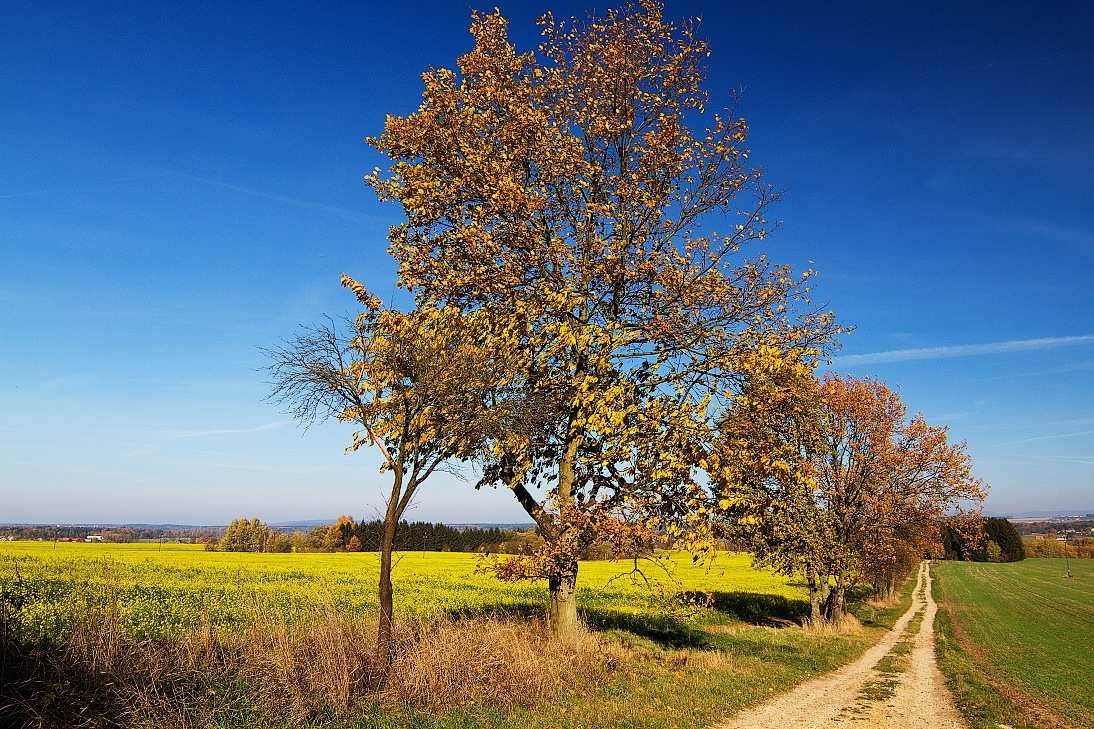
565, 195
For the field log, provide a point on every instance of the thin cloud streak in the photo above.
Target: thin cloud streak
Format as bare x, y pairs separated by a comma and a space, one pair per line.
306, 204
963, 350
1038, 438
256, 429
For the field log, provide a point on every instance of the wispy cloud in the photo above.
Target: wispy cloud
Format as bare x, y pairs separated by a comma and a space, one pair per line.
306, 204
1040, 437
1039, 229
963, 350
224, 431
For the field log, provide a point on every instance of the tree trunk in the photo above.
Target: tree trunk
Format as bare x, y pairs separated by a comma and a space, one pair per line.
384, 637
562, 583
563, 578
885, 588
836, 602
816, 616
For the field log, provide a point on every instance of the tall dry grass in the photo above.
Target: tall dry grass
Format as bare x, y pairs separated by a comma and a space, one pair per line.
279, 673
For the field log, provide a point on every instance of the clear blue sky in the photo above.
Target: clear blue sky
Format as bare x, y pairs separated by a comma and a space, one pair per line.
180, 184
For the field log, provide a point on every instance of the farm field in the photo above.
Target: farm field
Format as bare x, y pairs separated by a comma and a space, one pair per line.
178, 588
652, 662
1026, 638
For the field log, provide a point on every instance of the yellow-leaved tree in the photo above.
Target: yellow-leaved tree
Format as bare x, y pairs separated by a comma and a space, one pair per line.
763, 470
585, 200
419, 385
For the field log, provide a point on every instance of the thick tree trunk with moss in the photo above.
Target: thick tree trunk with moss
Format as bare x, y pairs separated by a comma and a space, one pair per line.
562, 586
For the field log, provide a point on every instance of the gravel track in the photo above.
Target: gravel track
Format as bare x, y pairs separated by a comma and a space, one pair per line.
906, 693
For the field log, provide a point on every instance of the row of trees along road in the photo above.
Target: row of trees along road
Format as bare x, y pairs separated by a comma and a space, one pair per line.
579, 240
830, 479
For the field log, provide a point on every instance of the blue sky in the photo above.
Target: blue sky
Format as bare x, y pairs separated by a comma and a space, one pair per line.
181, 184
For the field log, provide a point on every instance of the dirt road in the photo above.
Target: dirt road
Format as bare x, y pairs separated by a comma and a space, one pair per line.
895, 685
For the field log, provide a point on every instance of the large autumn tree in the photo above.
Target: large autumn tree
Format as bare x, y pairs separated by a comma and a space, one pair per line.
587, 201
887, 481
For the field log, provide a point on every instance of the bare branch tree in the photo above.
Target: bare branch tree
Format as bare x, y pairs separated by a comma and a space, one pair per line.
415, 383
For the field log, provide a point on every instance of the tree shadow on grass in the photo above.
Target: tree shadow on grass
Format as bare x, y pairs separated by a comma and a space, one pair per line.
667, 631
757, 608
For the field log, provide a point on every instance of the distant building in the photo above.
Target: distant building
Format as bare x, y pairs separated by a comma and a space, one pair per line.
93, 538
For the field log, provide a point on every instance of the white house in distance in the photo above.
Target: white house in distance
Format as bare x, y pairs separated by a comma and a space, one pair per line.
93, 538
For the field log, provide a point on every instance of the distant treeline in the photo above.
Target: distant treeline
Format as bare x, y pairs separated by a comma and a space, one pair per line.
424, 536
347, 535
998, 540
35, 532
1082, 548
1070, 530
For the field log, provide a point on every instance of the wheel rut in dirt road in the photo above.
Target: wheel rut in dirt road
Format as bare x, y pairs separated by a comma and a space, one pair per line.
896, 684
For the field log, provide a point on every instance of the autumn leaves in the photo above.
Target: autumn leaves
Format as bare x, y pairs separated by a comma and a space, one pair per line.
581, 333
831, 480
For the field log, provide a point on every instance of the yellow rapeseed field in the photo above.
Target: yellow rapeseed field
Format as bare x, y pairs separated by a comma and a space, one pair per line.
163, 590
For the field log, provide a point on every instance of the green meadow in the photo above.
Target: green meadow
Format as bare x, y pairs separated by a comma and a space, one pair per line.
1017, 641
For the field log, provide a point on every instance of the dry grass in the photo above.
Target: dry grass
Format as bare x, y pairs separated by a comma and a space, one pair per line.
327, 667
850, 625
488, 660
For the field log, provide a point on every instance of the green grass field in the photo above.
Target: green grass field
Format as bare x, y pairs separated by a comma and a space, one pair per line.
1025, 641
678, 668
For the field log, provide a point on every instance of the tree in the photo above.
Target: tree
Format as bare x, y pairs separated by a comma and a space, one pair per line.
412, 384
567, 197
983, 540
332, 540
928, 477
834, 482
763, 474
886, 481
245, 536
278, 543
963, 536
1006, 537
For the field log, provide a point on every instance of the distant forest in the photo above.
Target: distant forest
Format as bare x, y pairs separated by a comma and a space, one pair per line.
254, 535
32, 532
347, 535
